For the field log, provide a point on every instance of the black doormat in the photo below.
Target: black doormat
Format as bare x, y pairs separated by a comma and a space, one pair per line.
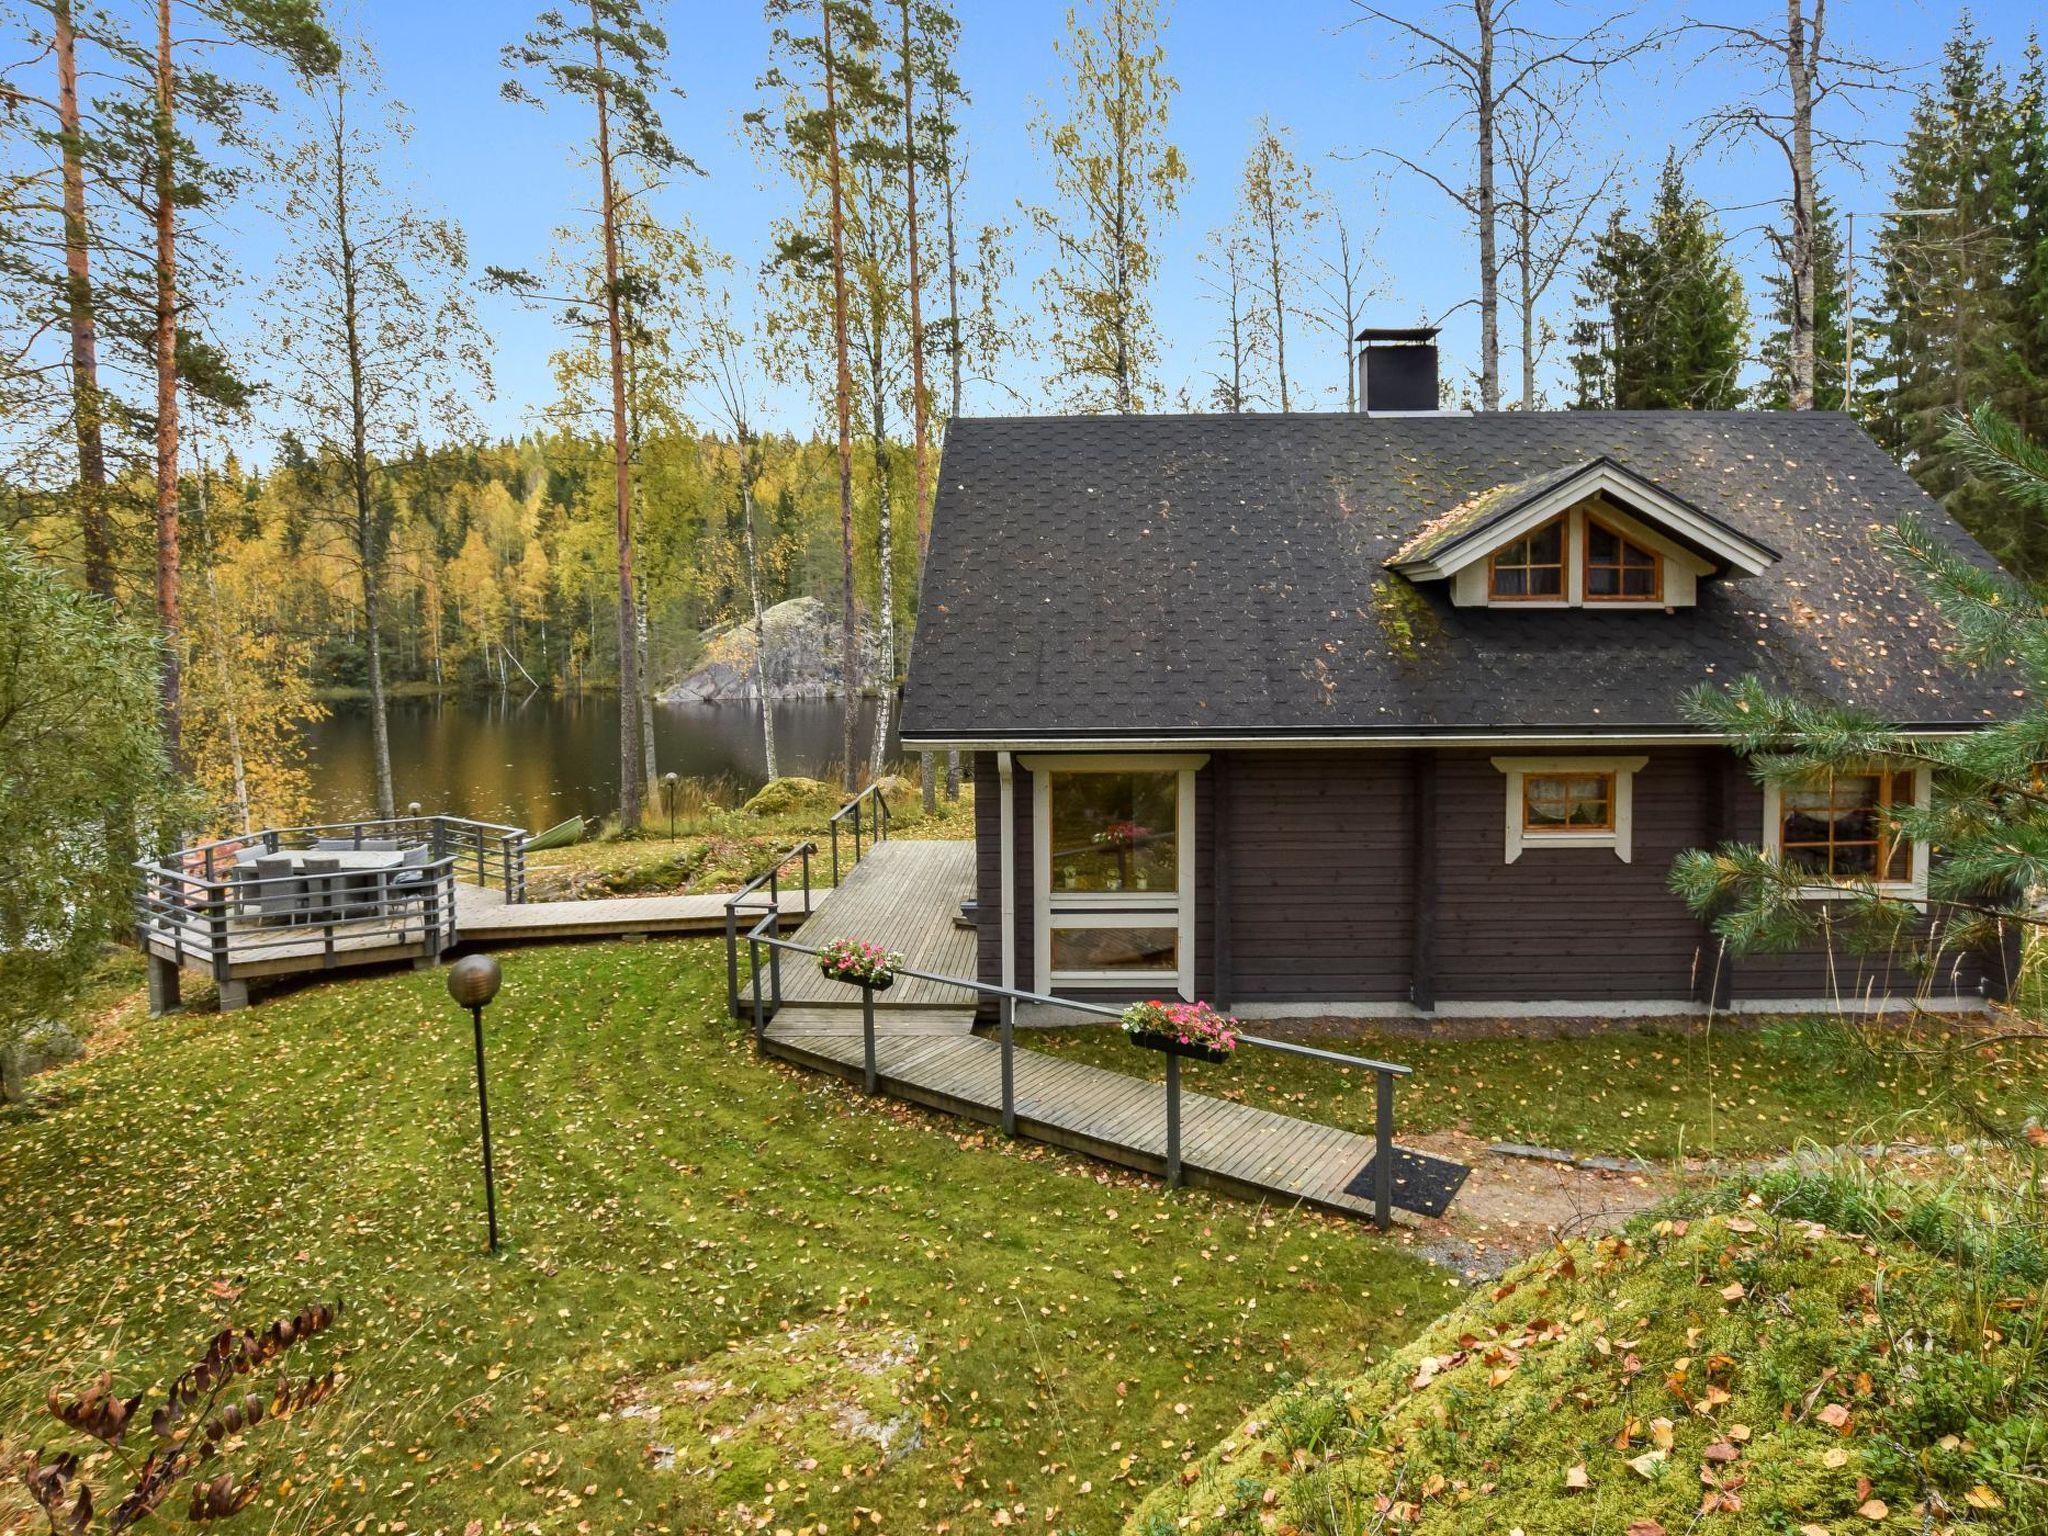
1424, 1185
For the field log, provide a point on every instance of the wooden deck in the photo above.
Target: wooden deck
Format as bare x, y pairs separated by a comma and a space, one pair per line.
904, 895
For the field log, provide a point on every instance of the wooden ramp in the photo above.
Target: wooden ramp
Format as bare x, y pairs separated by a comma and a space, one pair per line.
904, 896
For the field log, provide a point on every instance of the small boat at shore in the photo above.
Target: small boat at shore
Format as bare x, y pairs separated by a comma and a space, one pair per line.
561, 835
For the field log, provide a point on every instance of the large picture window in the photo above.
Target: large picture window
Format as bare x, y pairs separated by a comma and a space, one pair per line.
1114, 871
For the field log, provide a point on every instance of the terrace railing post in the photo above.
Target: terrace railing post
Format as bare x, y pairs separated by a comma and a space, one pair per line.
732, 960
1172, 1121
807, 879
867, 1035
482, 878
856, 832
1008, 1015
217, 930
775, 955
754, 964
835, 851
1383, 1151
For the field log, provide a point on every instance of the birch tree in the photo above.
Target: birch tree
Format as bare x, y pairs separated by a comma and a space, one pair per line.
1342, 271
1279, 209
1116, 181
1550, 197
827, 87
1487, 61
1227, 279
374, 325
1798, 70
611, 58
731, 359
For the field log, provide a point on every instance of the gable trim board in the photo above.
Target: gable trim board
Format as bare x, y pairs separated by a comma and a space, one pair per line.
1621, 487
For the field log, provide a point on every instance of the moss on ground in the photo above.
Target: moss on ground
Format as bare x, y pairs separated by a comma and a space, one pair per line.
1743, 1371
1656, 1091
674, 1210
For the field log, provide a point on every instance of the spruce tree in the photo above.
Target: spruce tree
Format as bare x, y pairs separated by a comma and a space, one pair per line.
1948, 324
1676, 322
2029, 405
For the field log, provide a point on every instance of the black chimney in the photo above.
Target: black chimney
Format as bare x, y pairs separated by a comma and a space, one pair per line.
1397, 369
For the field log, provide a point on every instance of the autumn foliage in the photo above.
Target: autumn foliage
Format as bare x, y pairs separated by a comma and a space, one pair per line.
207, 1412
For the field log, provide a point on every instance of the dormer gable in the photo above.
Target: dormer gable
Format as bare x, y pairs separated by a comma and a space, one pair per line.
1592, 534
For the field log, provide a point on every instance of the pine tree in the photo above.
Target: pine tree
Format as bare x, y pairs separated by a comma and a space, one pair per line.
1830, 311
1676, 321
2029, 354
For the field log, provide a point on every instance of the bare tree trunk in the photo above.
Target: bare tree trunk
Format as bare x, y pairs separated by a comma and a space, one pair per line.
1800, 67
953, 404
849, 645
1525, 274
885, 695
754, 597
630, 766
164, 208
1120, 226
369, 551
1489, 236
86, 408
926, 775
223, 678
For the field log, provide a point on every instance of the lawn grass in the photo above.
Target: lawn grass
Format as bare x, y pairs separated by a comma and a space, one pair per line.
719, 846
789, 1273
1655, 1092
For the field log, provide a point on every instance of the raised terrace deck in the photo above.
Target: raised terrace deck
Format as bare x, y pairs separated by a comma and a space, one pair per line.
904, 896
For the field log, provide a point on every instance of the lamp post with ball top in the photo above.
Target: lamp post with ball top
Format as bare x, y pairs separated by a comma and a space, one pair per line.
473, 981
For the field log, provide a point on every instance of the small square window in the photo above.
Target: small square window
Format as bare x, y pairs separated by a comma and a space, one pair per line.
1567, 802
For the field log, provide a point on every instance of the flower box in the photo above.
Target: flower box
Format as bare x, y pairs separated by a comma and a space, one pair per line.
1181, 1029
859, 964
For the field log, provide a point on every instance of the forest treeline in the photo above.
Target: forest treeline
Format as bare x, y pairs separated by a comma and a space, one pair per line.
387, 543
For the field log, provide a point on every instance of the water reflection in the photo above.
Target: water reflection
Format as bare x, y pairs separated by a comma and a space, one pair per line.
536, 761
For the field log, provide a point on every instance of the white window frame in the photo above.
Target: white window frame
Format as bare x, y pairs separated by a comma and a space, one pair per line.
1912, 888
1113, 909
1678, 580
1620, 837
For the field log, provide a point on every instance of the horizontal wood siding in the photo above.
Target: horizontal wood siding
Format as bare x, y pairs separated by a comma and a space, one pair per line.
1319, 861
1565, 923
1321, 899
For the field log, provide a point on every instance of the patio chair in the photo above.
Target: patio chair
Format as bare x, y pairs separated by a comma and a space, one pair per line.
333, 844
279, 895
324, 884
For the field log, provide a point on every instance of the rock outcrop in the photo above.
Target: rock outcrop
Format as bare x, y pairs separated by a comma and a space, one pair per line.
802, 657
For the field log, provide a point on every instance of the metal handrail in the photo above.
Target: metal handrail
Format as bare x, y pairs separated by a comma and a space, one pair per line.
493, 853
766, 932
772, 878
878, 823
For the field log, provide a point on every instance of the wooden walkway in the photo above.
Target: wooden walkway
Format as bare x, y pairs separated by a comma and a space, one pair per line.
904, 895
484, 916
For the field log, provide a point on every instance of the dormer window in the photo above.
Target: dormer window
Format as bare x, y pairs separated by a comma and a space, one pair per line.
1619, 570
1577, 536
1531, 569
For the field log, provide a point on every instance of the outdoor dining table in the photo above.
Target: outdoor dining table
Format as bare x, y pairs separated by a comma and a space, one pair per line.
329, 891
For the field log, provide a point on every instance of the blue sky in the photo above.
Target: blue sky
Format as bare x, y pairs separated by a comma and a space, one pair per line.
505, 171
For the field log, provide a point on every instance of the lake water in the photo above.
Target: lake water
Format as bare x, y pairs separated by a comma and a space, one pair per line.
533, 762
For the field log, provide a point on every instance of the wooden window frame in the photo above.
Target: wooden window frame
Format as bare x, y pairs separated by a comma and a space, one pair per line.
1587, 566
1530, 830
1562, 523
1170, 908
1912, 887
1618, 837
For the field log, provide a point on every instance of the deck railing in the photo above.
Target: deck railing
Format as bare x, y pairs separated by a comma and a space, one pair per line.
765, 935
876, 813
209, 908
231, 917
736, 904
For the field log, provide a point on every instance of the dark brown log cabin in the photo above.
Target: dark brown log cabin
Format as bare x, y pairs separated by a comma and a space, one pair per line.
1382, 714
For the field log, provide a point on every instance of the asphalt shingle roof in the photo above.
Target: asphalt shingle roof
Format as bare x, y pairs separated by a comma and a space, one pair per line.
1218, 576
